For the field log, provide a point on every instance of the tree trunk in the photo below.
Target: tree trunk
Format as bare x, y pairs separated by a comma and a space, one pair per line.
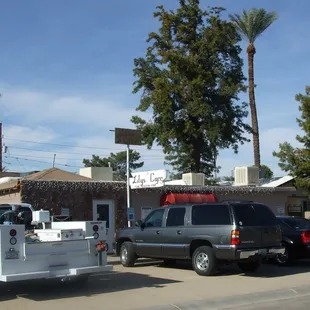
256, 147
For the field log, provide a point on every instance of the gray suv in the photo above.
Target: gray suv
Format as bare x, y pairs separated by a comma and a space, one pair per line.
208, 234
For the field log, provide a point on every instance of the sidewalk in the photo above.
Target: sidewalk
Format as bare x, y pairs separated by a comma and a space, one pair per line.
113, 260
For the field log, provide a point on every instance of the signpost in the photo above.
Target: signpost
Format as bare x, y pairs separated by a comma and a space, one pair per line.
131, 214
128, 137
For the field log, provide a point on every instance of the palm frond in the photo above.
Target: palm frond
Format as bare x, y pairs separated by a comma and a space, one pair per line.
251, 24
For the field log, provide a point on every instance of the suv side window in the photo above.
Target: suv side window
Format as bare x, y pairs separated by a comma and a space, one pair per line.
155, 218
176, 217
211, 215
254, 215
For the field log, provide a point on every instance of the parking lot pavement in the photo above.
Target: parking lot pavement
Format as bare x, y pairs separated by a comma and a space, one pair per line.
299, 303
152, 286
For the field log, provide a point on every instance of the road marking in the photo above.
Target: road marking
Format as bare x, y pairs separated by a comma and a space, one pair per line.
293, 291
175, 306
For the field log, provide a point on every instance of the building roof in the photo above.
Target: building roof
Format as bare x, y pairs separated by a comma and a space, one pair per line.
279, 182
55, 174
175, 182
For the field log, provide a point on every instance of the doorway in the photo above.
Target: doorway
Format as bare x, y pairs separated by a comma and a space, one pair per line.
103, 210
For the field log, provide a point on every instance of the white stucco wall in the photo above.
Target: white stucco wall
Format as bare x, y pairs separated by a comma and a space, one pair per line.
152, 199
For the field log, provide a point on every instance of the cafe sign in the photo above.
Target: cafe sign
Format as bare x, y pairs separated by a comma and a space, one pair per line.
146, 179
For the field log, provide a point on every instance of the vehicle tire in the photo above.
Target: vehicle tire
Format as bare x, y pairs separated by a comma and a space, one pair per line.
128, 256
285, 259
204, 261
248, 267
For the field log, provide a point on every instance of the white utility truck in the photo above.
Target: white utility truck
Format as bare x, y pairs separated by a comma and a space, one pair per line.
61, 251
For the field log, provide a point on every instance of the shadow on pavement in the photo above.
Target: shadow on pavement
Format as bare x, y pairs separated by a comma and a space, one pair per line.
97, 284
267, 270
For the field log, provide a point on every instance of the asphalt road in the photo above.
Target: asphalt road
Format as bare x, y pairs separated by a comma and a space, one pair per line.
154, 287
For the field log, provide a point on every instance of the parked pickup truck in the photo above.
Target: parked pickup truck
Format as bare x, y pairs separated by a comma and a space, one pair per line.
208, 234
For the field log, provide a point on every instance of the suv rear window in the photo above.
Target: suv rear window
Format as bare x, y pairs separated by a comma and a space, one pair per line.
254, 215
211, 215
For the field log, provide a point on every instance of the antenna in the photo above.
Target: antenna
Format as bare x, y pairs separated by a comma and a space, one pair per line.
54, 160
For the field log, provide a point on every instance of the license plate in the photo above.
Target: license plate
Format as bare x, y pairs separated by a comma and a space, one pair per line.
262, 251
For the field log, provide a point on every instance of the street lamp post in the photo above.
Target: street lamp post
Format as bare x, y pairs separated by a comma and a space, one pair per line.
128, 137
128, 178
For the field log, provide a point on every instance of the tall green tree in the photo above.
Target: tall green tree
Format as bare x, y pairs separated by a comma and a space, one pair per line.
296, 160
190, 79
251, 25
118, 162
268, 173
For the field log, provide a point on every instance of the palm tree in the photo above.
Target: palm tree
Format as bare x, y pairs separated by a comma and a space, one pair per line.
250, 26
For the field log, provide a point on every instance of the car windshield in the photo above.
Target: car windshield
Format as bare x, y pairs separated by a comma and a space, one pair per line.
296, 223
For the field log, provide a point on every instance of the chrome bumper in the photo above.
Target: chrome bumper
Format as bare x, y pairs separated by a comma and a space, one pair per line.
261, 252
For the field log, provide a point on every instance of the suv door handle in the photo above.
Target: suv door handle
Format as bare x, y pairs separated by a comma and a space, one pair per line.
157, 232
179, 232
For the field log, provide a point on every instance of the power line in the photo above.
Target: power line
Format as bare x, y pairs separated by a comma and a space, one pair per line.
66, 158
66, 145
46, 151
17, 161
42, 157
42, 162
72, 153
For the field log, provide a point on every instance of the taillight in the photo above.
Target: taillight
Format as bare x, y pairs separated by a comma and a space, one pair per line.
235, 237
101, 246
95, 228
305, 237
13, 233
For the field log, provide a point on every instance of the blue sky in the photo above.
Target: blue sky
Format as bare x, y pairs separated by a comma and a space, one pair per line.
66, 78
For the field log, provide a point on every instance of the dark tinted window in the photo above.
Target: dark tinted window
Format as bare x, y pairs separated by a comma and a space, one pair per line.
155, 218
285, 228
210, 215
254, 215
296, 223
27, 214
4, 209
176, 217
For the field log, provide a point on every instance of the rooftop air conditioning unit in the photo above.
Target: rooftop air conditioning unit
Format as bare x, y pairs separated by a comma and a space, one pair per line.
246, 176
197, 179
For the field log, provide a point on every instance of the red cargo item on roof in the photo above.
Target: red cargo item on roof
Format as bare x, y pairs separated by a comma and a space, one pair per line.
174, 198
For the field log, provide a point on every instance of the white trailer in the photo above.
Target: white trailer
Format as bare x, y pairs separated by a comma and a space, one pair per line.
65, 251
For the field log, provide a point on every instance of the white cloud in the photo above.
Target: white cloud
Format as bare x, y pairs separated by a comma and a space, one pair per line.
269, 142
39, 107
26, 133
48, 118
33, 156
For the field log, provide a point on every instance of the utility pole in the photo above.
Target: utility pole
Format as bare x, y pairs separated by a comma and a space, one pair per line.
1, 166
128, 178
54, 160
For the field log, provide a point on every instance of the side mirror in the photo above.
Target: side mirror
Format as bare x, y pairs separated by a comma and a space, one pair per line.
139, 223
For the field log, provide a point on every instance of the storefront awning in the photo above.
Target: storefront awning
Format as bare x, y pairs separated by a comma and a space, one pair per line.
173, 198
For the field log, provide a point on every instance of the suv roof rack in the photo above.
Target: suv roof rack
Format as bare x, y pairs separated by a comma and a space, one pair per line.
237, 200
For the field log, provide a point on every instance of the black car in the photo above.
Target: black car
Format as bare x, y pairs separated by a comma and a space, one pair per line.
296, 239
208, 234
